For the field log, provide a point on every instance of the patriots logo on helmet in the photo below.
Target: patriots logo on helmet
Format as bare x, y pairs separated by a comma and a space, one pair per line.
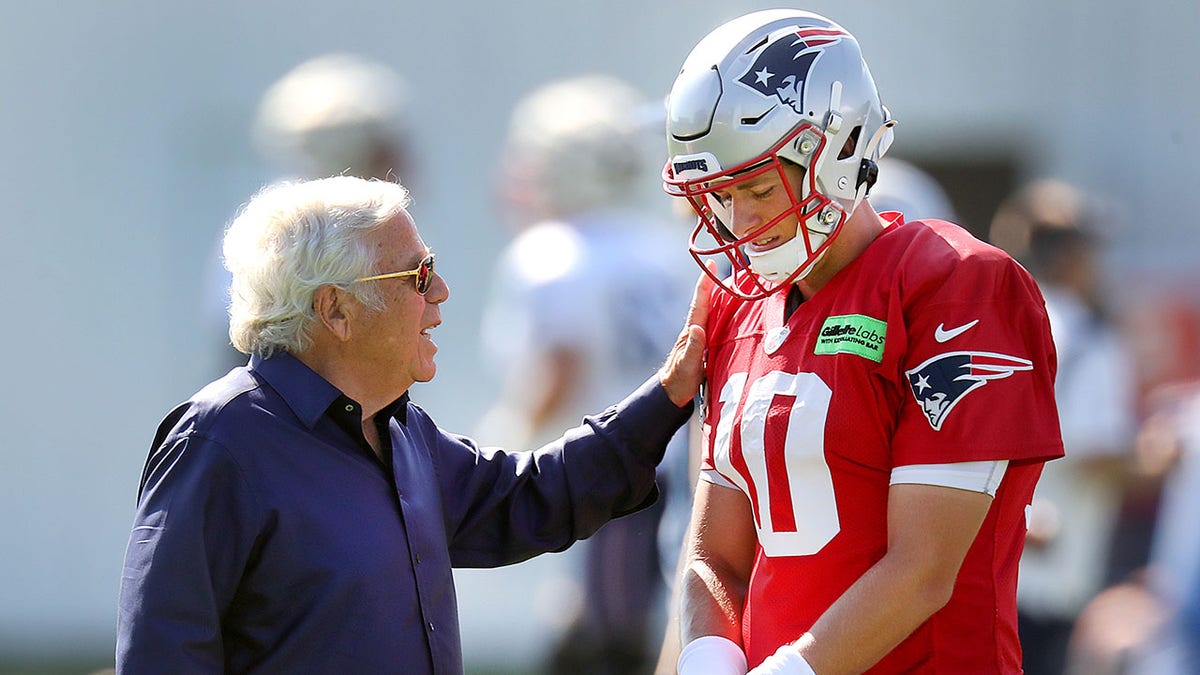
942, 381
783, 67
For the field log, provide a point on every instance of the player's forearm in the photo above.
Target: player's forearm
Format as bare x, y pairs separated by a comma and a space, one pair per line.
710, 603
710, 621
713, 585
874, 615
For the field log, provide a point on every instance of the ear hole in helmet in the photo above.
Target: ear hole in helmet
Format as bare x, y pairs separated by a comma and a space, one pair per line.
868, 172
851, 143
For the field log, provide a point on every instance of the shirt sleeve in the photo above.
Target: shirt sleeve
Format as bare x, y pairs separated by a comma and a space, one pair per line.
503, 507
193, 532
979, 364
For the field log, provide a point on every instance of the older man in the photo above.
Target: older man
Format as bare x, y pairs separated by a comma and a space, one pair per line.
301, 514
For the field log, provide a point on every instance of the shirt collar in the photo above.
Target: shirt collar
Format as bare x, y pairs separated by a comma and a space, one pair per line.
397, 409
308, 394
891, 219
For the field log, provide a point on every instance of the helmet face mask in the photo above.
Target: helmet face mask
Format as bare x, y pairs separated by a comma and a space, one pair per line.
762, 92
817, 217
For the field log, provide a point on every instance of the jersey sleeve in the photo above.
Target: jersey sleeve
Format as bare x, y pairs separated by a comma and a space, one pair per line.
979, 365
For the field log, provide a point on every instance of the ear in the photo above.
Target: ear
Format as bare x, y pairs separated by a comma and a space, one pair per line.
333, 311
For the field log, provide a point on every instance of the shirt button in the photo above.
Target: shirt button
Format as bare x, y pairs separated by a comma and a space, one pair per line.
431, 628
417, 558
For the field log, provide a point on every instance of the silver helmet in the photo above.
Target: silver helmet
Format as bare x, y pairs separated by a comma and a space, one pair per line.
767, 88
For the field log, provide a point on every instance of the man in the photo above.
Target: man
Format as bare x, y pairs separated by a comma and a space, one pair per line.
880, 393
583, 304
301, 514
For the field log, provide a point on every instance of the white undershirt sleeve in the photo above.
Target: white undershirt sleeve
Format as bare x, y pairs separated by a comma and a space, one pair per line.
982, 476
712, 476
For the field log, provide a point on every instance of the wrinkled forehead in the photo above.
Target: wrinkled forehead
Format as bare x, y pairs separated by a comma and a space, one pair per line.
397, 242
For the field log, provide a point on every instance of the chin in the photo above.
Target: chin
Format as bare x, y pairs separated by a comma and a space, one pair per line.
427, 372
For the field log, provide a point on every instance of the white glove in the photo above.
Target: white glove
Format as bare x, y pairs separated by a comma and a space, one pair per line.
711, 655
785, 661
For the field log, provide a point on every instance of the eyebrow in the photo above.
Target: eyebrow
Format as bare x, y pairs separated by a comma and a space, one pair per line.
749, 184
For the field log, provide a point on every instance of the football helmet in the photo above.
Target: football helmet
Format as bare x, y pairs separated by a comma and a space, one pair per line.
336, 114
573, 146
767, 88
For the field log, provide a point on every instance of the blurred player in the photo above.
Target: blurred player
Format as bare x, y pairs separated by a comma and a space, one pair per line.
1048, 226
880, 392
584, 301
337, 114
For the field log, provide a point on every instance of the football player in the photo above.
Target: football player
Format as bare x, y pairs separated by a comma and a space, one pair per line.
880, 392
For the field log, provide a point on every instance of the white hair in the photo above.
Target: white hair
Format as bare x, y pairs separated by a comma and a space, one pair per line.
292, 238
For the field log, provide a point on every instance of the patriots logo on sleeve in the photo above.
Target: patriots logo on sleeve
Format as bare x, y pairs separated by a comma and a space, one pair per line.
942, 381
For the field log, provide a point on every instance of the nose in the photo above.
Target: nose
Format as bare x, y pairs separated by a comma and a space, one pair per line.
439, 290
743, 219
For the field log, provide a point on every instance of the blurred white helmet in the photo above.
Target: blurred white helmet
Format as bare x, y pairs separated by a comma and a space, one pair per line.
335, 114
573, 146
762, 89
906, 188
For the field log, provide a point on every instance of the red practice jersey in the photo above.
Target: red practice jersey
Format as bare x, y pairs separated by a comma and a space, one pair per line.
930, 347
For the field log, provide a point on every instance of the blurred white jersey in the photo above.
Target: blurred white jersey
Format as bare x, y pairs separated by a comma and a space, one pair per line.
612, 287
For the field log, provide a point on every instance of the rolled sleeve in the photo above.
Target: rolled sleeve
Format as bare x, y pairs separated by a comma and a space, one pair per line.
505, 507
636, 431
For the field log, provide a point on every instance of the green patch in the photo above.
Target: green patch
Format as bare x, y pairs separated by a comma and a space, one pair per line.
852, 334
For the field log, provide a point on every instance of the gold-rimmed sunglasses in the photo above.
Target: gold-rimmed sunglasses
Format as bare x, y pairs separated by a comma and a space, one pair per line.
423, 272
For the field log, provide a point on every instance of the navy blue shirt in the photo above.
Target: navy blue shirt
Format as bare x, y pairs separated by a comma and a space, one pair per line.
270, 538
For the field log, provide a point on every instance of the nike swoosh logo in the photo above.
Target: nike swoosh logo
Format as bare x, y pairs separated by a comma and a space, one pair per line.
942, 334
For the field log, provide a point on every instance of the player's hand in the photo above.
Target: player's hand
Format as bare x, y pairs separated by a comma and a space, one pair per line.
683, 372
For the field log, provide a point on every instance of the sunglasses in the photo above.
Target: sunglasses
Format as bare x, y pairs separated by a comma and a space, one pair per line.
423, 273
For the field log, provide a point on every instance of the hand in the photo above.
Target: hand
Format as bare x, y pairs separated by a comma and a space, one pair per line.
683, 372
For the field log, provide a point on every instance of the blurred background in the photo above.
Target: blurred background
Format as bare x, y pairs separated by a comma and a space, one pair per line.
127, 143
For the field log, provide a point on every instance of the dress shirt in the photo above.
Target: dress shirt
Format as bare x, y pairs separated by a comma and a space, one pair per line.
270, 538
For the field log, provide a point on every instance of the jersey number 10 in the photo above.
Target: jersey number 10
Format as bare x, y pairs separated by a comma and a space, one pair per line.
776, 456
